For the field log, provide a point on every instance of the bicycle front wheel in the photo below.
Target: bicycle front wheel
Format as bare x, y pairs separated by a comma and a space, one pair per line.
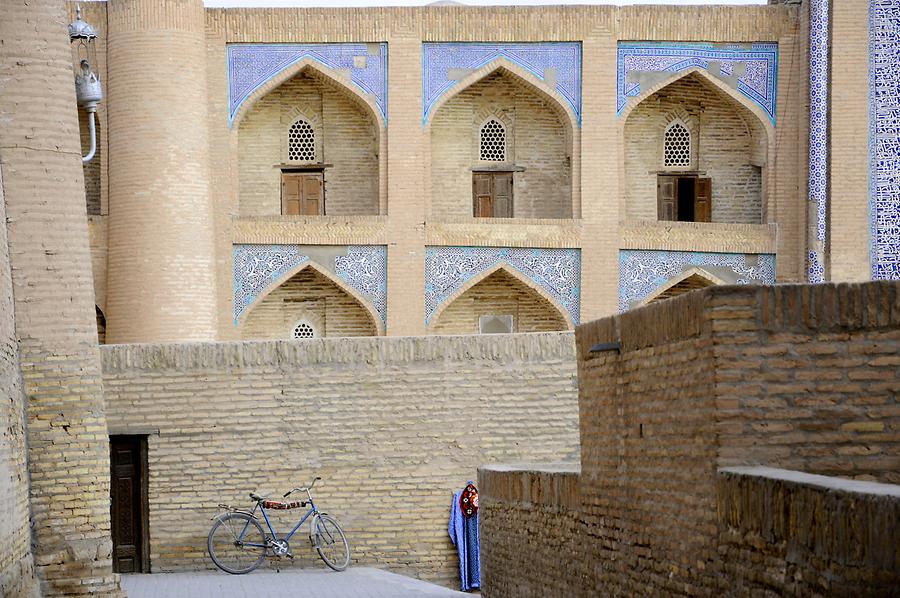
236, 543
331, 543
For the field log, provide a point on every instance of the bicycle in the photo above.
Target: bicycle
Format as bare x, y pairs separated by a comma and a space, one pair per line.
237, 543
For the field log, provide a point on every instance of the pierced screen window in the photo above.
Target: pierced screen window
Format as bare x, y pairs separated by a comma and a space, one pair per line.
677, 151
303, 330
301, 142
493, 142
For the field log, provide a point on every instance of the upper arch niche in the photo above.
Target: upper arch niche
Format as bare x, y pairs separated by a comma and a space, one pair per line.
534, 178
712, 171
338, 174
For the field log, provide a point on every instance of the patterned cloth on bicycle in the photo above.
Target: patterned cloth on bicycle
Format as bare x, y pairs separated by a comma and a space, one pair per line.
275, 504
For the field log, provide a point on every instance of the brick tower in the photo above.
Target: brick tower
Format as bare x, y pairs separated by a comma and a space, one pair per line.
161, 250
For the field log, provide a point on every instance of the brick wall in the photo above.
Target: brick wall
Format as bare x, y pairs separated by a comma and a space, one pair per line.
311, 297
536, 140
384, 421
16, 561
795, 377
499, 294
728, 146
49, 261
347, 138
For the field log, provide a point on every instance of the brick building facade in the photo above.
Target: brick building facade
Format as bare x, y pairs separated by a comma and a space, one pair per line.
363, 172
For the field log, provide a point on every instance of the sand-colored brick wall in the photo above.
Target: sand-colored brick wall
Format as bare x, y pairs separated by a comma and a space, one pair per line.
347, 138
728, 147
162, 276
536, 140
16, 560
310, 297
848, 222
795, 377
499, 294
43, 187
384, 421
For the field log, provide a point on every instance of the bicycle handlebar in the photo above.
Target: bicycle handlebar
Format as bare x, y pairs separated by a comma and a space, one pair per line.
305, 489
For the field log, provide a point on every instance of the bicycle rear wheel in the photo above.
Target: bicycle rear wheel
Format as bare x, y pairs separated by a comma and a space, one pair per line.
331, 543
236, 543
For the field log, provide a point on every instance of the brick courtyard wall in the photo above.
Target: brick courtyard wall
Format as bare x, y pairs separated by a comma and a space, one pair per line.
392, 425
794, 377
55, 325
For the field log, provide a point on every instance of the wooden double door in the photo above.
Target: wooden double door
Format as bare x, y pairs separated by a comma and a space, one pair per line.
685, 198
302, 194
128, 504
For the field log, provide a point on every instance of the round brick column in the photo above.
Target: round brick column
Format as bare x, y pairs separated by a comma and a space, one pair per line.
161, 281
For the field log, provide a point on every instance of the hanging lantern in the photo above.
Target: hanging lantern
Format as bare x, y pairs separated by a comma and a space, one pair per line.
88, 91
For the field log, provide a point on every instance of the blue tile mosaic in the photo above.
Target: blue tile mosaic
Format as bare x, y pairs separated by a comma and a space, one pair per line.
818, 137
756, 67
257, 267
439, 60
251, 65
642, 272
884, 138
557, 271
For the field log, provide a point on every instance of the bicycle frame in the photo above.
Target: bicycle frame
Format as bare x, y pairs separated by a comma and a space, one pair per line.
287, 538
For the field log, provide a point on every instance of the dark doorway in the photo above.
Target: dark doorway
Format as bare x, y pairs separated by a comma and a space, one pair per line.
128, 508
685, 194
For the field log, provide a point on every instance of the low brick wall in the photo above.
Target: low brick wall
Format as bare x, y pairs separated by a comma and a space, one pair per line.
392, 425
806, 534
795, 377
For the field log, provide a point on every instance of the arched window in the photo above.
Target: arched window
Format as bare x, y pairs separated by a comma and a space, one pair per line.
301, 142
303, 329
493, 141
677, 146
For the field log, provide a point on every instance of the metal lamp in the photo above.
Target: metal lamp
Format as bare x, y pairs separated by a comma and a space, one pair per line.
88, 90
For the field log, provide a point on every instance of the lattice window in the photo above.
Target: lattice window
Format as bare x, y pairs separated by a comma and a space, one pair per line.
677, 148
302, 330
493, 141
301, 142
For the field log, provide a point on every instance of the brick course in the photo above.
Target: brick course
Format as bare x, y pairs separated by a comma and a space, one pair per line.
388, 423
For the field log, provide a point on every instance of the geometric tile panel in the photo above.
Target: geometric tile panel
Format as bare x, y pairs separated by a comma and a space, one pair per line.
642, 272
559, 61
557, 271
755, 69
258, 267
818, 136
884, 138
252, 65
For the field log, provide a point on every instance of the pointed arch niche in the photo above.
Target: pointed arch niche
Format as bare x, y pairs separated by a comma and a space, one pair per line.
349, 141
722, 138
542, 144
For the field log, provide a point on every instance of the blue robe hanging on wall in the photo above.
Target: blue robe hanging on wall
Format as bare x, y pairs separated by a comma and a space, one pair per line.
464, 534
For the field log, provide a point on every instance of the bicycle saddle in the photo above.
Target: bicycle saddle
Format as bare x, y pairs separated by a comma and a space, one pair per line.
255, 496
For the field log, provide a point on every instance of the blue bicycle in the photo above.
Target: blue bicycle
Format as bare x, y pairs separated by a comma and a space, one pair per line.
237, 543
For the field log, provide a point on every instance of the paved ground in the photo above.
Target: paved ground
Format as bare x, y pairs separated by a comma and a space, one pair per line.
355, 582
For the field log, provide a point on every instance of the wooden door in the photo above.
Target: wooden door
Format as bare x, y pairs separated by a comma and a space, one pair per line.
665, 197
492, 194
128, 504
302, 194
703, 202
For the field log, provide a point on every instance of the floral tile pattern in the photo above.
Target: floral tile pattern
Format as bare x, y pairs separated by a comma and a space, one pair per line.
818, 136
251, 65
440, 59
642, 272
756, 67
258, 267
557, 271
884, 138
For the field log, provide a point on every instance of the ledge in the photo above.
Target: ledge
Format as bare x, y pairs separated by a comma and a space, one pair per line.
697, 236
310, 230
504, 232
553, 485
